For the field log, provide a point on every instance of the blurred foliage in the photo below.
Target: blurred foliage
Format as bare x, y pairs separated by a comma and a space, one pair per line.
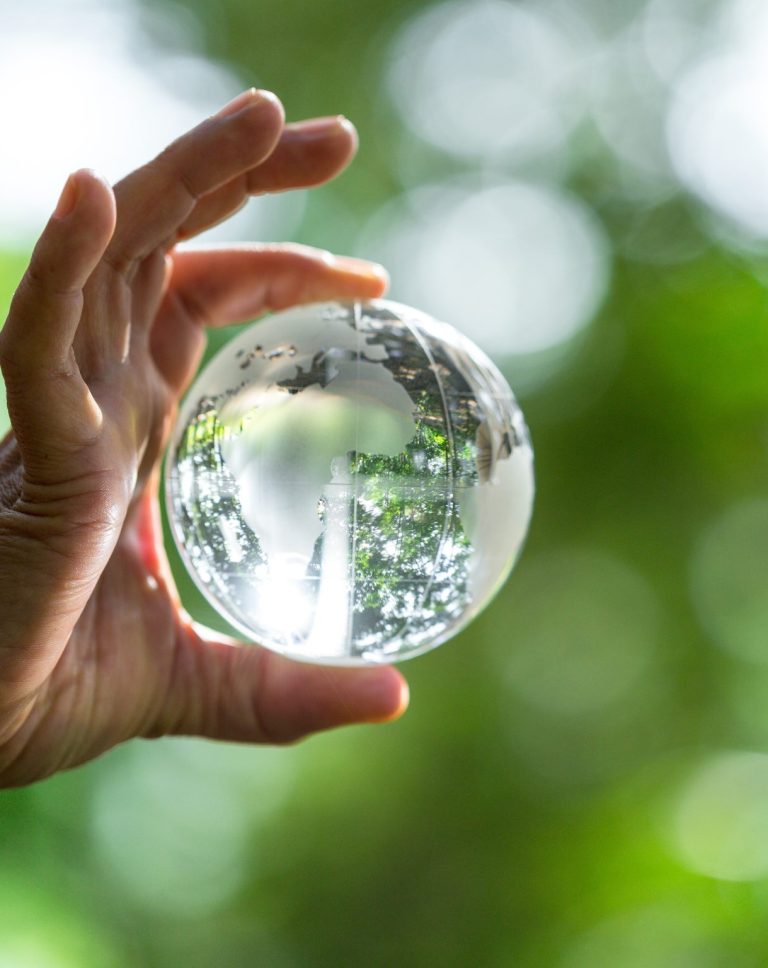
522, 813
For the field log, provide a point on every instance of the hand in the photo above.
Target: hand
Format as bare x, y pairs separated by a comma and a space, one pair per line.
104, 333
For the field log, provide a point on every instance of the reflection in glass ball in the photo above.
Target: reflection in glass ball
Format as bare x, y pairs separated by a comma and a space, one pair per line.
349, 483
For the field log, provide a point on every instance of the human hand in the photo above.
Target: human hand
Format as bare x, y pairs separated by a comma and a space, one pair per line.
104, 334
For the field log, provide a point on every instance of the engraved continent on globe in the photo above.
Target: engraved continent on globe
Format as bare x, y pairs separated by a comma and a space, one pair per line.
349, 483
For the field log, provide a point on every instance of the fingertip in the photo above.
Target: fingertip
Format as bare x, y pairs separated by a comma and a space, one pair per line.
269, 105
378, 289
309, 153
67, 199
348, 128
261, 108
89, 174
86, 194
372, 275
237, 103
76, 235
405, 695
92, 181
269, 96
381, 277
305, 698
375, 695
332, 138
249, 99
394, 696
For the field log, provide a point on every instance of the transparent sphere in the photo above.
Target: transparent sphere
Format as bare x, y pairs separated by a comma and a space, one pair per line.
349, 482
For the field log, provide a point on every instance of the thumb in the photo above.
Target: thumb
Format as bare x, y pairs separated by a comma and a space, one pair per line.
229, 690
44, 582
52, 411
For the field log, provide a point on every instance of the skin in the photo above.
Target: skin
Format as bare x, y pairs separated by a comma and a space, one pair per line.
104, 334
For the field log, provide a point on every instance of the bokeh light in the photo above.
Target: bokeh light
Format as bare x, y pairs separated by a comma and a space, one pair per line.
720, 823
729, 580
588, 628
490, 79
111, 97
663, 936
675, 33
172, 822
42, 930
519, 267
627, 104
717, 136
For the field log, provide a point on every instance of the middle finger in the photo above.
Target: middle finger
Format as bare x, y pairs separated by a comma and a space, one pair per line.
308, 154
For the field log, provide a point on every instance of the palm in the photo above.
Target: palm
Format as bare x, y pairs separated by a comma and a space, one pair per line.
94, 648
111, 681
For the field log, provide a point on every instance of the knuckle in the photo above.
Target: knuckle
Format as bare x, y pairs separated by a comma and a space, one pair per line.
120, 261
186, 184
171, 169
74, 520
44, 279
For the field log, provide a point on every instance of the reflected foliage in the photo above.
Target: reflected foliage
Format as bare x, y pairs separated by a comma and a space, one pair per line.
393, 553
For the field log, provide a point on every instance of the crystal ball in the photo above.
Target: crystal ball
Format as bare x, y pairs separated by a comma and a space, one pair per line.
349, 483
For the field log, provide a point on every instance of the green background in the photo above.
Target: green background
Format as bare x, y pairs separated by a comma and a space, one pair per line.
534, 805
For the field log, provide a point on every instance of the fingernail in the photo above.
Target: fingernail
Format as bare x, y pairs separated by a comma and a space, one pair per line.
237, 103
245, 100
322, 127
362, 267
68, 198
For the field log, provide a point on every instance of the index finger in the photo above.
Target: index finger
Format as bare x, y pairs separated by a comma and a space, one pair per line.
153, 201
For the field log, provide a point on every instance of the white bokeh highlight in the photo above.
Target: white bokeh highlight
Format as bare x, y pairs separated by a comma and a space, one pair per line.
716, 129
82, 84
675, 33
490, 78
519, 267
628, 103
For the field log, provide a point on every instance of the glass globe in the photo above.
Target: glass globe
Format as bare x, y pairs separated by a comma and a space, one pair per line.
349, 482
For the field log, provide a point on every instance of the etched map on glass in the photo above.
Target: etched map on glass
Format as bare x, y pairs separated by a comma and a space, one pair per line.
349, 483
